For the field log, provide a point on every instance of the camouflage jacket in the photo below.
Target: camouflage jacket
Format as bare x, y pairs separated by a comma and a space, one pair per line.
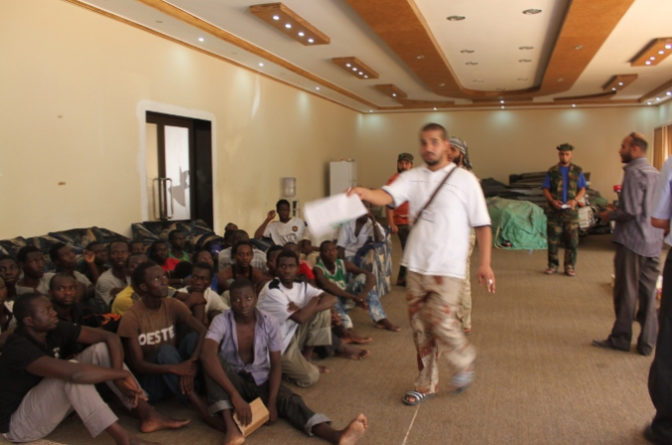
557, 183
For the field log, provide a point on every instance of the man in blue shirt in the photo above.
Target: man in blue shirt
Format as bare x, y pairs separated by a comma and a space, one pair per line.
564, 187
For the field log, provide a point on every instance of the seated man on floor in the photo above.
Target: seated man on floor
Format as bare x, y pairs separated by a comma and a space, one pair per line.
94, 261
127, 296
137, 247
287, 229
9, 272
116, 278
65, 261
158, 252
241, 267
31, 262
304, 316
331, 274
225, 258
242, 360
204, 303
177, 241
38, 389
63, 295
365, 243
7, 320
149, 330
305, 271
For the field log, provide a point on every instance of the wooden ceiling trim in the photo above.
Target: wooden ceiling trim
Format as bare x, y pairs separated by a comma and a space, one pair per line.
398, 22
606, 96
355, 67
660, 90
280, 17
618, 82
196, 22
653, 53
390, 90
586, 27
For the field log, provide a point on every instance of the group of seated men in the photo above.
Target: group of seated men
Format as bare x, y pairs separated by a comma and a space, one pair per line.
139, 322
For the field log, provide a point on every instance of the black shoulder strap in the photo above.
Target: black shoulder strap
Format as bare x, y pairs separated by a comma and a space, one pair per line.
436, 190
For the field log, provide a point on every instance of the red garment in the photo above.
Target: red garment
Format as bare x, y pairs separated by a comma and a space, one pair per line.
400, 216
304, 269
170, 264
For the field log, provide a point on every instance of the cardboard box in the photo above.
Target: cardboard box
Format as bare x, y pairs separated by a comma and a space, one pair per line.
260, 416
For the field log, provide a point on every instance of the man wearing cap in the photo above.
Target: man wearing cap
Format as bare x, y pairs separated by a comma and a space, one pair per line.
638, 249
564, 186
398, 218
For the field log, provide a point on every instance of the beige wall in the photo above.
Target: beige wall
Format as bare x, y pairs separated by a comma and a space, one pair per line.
74, 85
510, 141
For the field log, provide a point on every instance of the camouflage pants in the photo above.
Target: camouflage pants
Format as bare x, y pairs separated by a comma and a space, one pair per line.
562, 227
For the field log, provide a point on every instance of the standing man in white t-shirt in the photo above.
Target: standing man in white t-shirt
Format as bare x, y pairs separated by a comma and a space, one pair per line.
288, 229
436, 256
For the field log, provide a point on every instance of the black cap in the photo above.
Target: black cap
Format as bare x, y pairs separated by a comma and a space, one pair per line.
565, 147
405, 157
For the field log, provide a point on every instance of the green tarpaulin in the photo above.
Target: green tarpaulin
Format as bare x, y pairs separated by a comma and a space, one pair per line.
517, 224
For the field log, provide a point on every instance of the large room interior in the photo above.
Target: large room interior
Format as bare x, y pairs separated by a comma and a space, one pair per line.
514, 79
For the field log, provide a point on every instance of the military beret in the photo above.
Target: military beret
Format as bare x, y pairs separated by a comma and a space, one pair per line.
565, 147
405, 157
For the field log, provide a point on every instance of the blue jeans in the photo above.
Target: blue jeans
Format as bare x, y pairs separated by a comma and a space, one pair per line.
162, 386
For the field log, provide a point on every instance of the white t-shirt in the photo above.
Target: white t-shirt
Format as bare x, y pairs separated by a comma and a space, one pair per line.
213, 301
283, 233
273, 300
351, 242
258, 259
439, 242
106, 282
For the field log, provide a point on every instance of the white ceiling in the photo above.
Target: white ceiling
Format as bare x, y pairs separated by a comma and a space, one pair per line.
493, 29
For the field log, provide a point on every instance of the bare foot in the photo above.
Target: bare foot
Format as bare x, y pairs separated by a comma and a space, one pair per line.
157, 422
234, 437
347, 351
352, 337
354, 431
324, 370
387, 324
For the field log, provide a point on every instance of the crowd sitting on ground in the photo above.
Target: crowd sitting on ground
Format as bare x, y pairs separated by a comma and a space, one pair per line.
136, 317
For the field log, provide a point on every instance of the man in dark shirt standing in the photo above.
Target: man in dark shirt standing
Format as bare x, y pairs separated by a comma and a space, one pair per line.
38, 389
638, 251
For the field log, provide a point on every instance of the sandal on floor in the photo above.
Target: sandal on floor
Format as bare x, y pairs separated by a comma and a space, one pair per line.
418, 396
570, 272
550, 271
462, 380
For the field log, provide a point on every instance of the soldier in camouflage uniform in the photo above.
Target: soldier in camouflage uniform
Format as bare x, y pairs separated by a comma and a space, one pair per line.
564, 187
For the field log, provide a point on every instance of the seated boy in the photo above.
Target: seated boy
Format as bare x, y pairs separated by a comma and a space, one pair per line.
241, 267
331, 275
31, 262
288, 229
115, 279
94, 261
38, 389
7, 320
127, 296
177, 241
203, 302
242, 359
304, 316
9, 272
65, 261
158, 252
149, 331
225, 258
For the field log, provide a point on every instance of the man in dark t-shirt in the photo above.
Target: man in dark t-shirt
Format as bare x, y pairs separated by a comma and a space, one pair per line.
38, 389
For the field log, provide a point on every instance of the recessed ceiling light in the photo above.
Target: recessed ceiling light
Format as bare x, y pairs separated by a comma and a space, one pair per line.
288, 25
501, 101
525, 48
467, 51
471, 63
394, 94
317, 88
354, 68
158, 21
573, 105
501, 107
531, 11
442, 84
668, 46
455, 18
662, 51
261, 64
560, 79
301, 33
648, 103
420, 57
652, 58
648, 62
370, 111
201, 39
578, 47
658, 98
276, 17
311, 40
669, 93
361, 73
434, 108
613, 88
366, 76
524, 60
348, 65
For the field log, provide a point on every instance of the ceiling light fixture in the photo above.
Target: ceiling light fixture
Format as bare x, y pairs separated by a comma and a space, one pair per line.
455, 18
647, 55
261, 64
420, 56
531, 11
619, 81
467, 51
201, 39
317, 88
578, 47
573, 105
284, 19
355, 67
434, 108
524, 60
391, 90
471, 63
525, 48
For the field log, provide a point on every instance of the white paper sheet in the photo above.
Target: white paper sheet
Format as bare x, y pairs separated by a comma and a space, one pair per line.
324, 215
